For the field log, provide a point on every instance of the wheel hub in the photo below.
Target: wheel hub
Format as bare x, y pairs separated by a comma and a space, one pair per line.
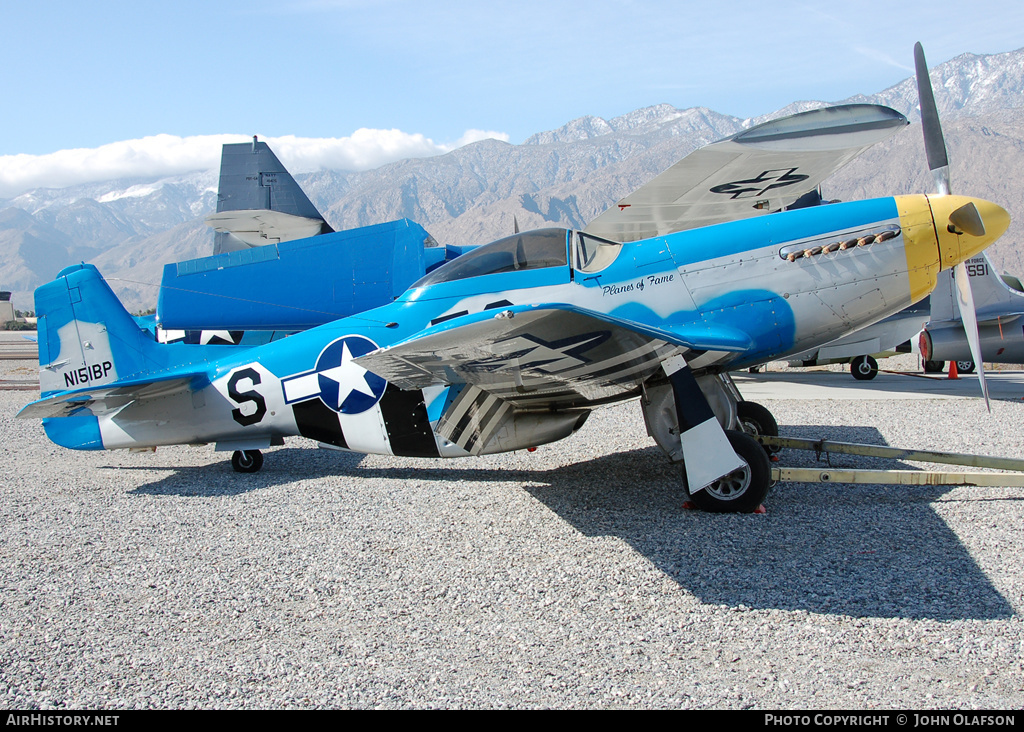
731, 486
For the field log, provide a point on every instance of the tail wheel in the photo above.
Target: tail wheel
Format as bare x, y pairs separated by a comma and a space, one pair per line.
247, 461
743, 490
864, 368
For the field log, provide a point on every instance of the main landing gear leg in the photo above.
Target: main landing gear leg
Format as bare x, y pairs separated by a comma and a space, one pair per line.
751, 417
724, 470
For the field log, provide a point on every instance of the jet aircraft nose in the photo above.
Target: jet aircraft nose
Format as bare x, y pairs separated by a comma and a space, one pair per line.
965, 226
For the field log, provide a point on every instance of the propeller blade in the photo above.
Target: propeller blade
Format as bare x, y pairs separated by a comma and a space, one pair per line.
515, 225
965, 299
934, 143
968, 219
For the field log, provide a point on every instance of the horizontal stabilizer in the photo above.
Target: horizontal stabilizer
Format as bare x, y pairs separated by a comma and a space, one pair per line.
95, 358
110, 398
1000, 319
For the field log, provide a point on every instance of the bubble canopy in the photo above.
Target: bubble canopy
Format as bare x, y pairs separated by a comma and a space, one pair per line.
529, 250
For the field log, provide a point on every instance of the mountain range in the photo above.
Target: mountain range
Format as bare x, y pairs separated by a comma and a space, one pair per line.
565, 177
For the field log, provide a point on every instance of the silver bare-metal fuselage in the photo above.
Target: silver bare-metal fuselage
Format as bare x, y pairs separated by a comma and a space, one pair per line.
541, 343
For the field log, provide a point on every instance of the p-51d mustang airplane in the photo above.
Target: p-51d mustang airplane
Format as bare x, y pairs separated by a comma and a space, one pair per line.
512, 344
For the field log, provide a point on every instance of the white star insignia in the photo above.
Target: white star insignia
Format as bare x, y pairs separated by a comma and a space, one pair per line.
208, 335
349, 376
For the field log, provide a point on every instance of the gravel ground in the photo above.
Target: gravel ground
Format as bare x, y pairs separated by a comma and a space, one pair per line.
567, 577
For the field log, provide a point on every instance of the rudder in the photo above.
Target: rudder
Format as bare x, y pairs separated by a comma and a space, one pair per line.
85, 336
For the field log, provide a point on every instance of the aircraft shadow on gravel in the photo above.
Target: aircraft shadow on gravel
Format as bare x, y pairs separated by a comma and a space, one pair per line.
863, 551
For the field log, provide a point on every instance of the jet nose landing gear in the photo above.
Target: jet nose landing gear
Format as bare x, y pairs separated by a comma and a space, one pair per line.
864, 368
246, 461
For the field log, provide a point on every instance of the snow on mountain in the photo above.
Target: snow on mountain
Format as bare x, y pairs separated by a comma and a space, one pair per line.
566, 176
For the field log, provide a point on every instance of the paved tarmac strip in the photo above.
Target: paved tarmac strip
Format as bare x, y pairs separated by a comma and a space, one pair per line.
822, 384
568, 577
18, 345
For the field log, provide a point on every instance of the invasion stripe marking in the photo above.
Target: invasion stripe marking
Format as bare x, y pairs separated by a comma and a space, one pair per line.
468, 416
319, 422
491, 426
483, 403
407, 424
634, 361
692, 408
486, 425
456, 412
606, 370
609, 363
477, 413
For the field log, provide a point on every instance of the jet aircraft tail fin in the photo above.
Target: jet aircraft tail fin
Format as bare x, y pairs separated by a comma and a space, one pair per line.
86, 338
259, 202
990, 290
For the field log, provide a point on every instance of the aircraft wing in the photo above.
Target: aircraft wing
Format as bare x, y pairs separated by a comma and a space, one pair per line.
543, 356
107, 398
993, 319
762, 169
260, 227
999, 318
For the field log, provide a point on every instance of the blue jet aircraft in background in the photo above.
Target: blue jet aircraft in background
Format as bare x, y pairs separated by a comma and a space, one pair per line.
512, 344
278, 266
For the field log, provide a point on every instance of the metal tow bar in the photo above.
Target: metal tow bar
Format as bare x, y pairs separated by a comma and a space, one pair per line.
895, 477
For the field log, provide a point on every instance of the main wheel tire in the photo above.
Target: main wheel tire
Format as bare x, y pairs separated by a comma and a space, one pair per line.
743, 490
965, 367
755, 420
934, 367
247, 461
864, 368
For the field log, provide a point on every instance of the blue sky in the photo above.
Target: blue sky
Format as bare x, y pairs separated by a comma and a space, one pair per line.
87, 75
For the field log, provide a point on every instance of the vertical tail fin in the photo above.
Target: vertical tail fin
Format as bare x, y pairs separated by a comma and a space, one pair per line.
259, 202
86, 337
990, 290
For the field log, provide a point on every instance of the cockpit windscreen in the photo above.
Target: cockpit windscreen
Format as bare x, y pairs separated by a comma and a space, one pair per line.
528, 250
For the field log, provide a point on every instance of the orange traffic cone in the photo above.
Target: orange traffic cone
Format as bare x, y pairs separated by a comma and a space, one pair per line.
953, 373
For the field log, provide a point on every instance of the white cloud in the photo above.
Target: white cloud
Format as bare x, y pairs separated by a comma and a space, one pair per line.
162, 155
879, 56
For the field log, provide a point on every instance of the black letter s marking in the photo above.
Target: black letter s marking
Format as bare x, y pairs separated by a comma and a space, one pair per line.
241, 397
